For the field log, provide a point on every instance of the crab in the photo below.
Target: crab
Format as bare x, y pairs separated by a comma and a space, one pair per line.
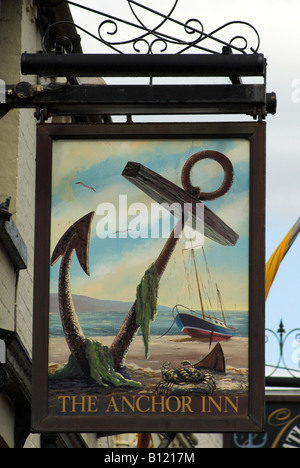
185, 374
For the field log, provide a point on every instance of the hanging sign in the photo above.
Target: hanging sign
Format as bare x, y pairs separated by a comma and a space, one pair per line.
282, 426
149, 278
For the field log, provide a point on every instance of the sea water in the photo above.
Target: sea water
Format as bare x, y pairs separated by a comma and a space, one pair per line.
95, 324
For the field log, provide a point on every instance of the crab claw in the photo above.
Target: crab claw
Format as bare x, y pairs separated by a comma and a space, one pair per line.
184, 363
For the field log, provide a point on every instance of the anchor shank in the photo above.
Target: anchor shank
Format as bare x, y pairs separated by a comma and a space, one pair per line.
129, 327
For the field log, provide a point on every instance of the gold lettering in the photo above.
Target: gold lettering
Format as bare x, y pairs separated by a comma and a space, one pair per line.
168, 404
112, 404
131, 406
138, 404
63, 398
234, 406
149, 403
161, 403
186, 404
92, 401
80, 404
212, 400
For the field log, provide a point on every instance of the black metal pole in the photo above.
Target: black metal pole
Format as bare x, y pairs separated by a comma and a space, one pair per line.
90, 65
285, 382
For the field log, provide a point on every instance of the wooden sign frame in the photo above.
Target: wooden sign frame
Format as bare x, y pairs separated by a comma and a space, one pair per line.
192, 393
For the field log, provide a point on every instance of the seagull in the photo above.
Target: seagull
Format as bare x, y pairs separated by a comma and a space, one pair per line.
122, 232
87, 186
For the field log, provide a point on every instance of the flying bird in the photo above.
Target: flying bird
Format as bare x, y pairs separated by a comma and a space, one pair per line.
122, 232
87, 186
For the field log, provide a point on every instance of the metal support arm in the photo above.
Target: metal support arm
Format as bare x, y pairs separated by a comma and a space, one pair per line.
147, 100
166, 65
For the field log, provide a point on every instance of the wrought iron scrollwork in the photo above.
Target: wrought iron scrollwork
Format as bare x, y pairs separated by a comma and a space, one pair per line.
285, 341
168, 34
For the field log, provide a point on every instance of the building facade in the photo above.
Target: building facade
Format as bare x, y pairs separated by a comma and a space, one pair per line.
21, 26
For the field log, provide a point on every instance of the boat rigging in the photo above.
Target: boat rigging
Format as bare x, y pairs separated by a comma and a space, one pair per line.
202, 325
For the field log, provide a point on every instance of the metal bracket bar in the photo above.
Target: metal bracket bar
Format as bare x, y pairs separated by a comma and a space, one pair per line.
150, 100
167, 65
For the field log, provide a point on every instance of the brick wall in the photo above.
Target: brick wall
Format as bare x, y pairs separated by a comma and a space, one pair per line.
18, 33
7, 291
25, 197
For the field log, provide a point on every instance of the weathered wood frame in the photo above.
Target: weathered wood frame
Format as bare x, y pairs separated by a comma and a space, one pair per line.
254, 421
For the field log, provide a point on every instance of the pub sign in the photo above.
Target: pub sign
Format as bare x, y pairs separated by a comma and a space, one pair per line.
149, 278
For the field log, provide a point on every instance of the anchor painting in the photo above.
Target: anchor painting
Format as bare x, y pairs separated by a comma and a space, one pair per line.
118, 261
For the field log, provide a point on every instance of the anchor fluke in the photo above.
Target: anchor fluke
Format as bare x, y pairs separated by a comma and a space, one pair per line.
79, 235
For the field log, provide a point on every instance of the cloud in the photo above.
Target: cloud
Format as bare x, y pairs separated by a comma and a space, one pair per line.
236, 214
118, 278
117, 265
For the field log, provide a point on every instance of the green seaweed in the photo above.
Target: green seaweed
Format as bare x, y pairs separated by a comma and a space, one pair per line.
101, 367
69, 371
146, 303
99, 357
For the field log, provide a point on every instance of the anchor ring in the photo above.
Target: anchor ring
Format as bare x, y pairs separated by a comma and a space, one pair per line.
227, 167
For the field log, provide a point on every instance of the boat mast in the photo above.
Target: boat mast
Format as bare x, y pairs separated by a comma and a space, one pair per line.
221, 304
198, 284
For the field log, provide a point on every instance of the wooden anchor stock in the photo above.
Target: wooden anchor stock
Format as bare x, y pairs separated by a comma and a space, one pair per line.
164, 191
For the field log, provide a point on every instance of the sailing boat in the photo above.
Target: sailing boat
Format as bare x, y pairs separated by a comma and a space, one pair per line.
202, 325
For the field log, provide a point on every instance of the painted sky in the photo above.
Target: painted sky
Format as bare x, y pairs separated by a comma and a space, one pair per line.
277, 22
118, 264
278, 25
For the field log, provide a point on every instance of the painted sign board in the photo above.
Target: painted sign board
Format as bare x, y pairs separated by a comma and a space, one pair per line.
149, 278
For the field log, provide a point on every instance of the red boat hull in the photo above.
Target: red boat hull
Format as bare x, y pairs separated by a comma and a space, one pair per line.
202, 334
199, 328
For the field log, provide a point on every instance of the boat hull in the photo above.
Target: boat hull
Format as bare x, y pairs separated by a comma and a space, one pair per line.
197, 327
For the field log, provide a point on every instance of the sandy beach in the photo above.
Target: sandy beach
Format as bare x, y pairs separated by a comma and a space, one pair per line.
174, 348
147, 372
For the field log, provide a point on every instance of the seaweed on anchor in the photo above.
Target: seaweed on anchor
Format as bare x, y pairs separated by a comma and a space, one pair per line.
146, 303
101, 367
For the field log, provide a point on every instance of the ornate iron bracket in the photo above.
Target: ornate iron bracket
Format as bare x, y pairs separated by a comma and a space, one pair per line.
155, 44
152, 31
282, 338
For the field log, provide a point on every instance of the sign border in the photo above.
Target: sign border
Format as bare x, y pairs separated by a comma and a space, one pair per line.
254, 421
